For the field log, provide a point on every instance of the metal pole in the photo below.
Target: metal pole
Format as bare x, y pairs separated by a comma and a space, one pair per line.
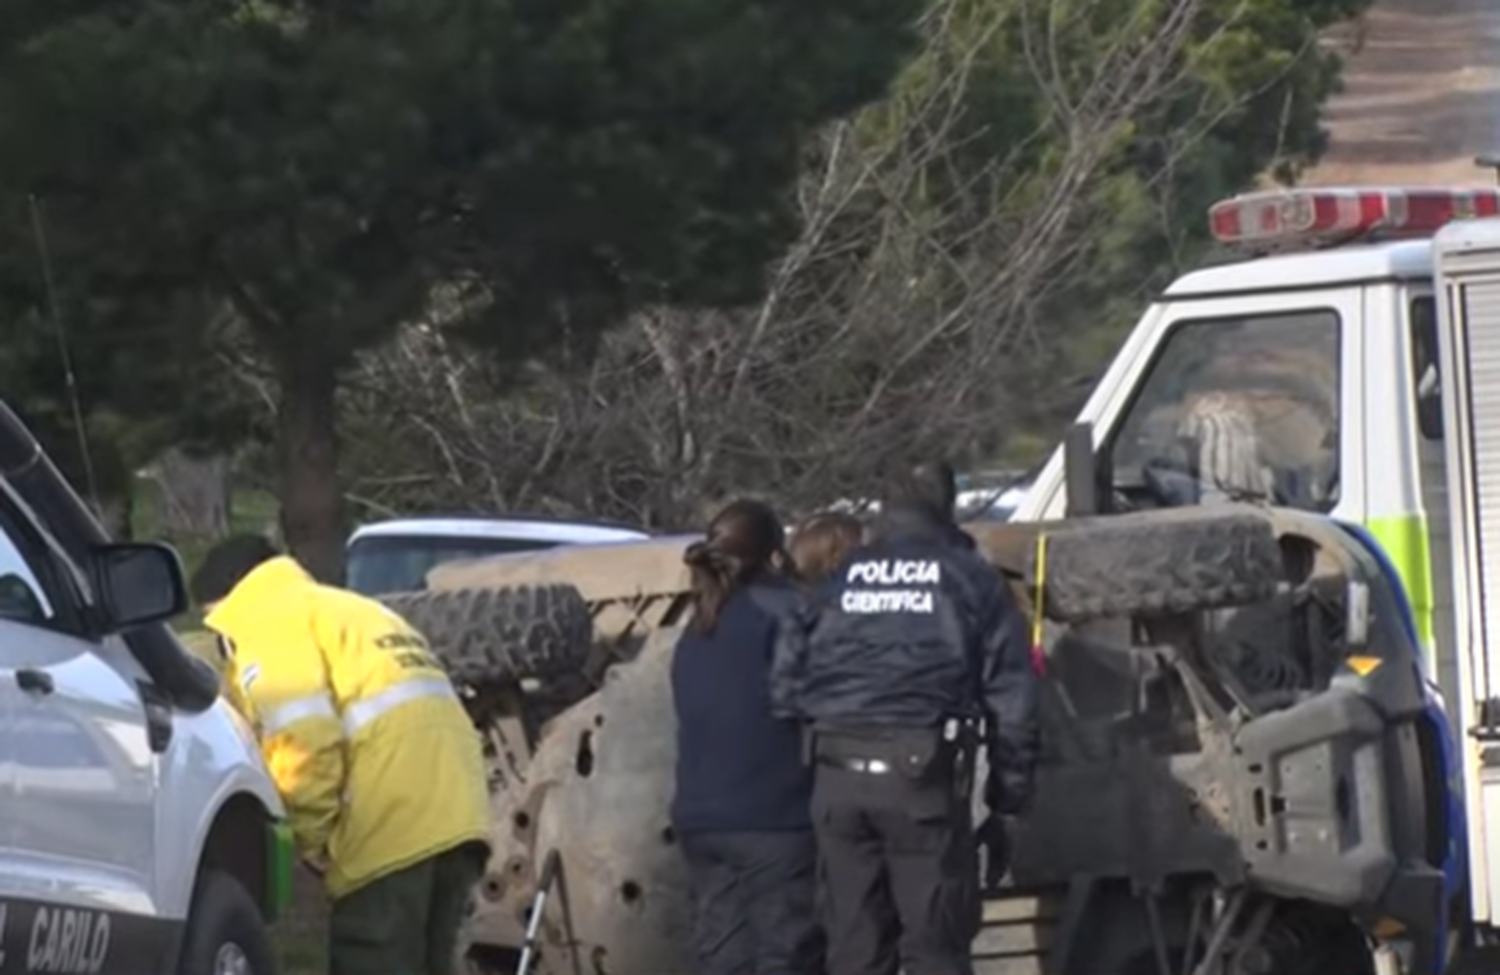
538, 909
1213, 963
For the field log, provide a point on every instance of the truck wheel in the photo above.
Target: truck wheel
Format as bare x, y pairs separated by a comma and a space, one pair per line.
226, 933
487, 636
1180, 560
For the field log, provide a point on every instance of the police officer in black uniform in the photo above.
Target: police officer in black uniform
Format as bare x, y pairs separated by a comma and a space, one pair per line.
910, 656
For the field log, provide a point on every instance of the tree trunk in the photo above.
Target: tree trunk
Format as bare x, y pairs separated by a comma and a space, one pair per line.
312, 505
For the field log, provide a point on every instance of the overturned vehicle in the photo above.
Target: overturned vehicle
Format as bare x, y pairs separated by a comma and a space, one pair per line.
1244, 769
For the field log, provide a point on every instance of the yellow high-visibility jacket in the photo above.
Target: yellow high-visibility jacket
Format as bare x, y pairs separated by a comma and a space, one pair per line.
376, 759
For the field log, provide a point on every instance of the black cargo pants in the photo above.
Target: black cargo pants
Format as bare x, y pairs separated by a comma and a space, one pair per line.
754, 900
899, 867
407, 922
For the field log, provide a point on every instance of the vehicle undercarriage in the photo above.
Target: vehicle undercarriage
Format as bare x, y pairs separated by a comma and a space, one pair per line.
1232, 779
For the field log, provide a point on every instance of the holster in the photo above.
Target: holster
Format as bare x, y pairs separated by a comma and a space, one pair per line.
966, 754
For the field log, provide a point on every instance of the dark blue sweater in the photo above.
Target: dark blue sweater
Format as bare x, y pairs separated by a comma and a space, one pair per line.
738, 769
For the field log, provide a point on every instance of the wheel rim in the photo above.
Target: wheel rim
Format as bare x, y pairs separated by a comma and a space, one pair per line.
231, 959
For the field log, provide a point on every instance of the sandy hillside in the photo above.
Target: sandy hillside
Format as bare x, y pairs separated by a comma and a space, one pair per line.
1421, 98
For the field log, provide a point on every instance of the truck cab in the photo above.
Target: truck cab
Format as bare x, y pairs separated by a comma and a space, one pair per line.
1322, 364
1310, 374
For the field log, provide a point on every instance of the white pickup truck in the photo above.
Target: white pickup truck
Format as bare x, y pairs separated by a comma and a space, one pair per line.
139, 829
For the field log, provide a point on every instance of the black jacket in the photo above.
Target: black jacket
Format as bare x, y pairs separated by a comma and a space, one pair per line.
738, 767
915, 629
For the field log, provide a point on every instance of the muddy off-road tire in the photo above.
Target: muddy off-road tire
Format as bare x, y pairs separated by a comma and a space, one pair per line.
1157, 563
486, 636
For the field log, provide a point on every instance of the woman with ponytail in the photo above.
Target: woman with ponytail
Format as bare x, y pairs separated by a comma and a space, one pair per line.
743, 790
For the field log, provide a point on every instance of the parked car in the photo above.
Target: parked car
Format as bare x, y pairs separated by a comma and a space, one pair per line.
991, 497
396, 555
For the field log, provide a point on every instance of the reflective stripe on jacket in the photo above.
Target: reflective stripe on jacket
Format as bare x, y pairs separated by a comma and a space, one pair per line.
371, 749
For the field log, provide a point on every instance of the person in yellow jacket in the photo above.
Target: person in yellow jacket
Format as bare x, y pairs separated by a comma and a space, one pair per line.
376, 759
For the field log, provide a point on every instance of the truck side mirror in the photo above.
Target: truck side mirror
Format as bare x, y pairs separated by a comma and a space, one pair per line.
1088, 481
137, 584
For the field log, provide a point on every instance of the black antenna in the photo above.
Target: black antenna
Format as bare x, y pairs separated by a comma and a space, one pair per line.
38, 230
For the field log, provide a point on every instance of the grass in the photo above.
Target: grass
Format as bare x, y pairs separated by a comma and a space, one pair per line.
301, 937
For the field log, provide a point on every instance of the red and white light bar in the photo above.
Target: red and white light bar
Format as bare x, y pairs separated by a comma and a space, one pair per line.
1325, 215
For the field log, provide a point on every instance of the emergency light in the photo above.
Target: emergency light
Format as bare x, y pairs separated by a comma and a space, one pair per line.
1336, 215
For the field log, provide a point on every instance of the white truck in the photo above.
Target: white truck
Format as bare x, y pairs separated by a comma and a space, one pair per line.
139, 829
1350, 365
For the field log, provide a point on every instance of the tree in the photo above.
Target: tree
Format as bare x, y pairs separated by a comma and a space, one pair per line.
106, 399
972, 245
324, 169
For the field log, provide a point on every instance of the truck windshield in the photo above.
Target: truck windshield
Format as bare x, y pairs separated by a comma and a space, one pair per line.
400, 563
1239, 409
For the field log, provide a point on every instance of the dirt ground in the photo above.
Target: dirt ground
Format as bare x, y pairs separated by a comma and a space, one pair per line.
1421, 97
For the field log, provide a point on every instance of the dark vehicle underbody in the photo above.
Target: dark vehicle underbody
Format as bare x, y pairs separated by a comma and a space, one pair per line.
1237, 771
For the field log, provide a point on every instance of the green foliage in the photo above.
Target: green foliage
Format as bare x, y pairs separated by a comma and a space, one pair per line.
525, 172
1244, 99
139, 382
323, 165
323, 169
1066, 153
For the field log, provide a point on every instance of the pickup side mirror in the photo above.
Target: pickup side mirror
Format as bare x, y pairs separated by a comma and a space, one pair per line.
137, 583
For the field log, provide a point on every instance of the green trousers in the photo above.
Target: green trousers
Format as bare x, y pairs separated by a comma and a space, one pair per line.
408, 922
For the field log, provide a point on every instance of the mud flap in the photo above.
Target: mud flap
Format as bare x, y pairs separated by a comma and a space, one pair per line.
1415, 900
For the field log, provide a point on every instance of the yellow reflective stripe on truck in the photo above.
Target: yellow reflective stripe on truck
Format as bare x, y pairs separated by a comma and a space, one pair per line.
1404, 538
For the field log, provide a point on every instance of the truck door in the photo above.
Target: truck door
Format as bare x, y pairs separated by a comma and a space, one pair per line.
81, 811
1467, 258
